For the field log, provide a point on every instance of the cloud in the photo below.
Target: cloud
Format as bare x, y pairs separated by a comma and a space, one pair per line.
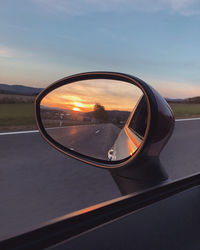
6, 52
184, 7
77, 7
174, 89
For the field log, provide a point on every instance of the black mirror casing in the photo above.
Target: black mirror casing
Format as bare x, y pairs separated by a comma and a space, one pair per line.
144, 164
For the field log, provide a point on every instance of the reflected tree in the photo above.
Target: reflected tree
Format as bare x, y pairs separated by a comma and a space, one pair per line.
100, 113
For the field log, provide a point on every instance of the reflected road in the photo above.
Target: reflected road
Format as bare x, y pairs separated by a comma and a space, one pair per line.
92, 140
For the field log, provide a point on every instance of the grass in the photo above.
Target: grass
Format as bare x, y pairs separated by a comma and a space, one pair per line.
17, 114
185, 110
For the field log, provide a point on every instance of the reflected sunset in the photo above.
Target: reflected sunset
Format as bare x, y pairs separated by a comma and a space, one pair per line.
95, 111
82, 96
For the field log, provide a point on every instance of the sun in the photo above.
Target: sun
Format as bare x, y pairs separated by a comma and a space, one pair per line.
76, 109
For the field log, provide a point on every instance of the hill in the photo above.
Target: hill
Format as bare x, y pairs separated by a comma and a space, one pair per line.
19, 90
191, 100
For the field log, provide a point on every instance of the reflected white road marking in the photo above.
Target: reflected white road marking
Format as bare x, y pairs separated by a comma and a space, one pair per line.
36, 131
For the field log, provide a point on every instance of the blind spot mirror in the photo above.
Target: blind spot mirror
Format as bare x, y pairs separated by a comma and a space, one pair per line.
104, 119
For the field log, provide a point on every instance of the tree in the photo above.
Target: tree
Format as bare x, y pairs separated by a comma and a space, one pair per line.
100, 113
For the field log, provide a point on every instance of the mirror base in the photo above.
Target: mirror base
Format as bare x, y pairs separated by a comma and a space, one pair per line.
146, 172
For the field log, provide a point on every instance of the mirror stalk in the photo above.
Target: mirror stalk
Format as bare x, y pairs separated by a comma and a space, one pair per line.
146, 172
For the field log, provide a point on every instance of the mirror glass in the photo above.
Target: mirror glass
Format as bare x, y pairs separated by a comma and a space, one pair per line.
101, 118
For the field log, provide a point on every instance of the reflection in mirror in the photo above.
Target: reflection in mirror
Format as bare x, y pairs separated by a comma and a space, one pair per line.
102, 118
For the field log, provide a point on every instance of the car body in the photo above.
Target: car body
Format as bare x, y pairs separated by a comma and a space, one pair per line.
132, 134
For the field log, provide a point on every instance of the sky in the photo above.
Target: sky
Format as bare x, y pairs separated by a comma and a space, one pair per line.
158, 41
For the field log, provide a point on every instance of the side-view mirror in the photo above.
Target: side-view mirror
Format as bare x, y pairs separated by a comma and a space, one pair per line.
109, 120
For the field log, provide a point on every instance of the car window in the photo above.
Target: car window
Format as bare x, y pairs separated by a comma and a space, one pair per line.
43, 41
138, 121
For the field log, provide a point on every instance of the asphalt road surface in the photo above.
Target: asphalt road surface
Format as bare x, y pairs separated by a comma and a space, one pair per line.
38, 183
92, 140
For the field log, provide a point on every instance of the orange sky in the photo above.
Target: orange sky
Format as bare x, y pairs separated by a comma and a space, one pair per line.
82, 96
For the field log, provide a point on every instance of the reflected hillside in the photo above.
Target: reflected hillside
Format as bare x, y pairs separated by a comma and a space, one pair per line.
56, 117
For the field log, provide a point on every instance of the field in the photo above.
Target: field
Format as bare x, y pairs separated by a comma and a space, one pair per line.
17, 116
185, 110
20, 116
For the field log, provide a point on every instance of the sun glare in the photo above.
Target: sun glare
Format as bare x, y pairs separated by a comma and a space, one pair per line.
78, 104
76, 109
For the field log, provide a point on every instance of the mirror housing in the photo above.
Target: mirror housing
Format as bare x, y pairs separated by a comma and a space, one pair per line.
144, 163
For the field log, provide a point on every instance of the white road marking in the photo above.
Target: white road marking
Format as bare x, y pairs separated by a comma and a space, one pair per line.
187, 119
26, 132
36, 131
20, 132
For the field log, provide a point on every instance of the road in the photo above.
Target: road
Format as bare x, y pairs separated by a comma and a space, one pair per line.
92, 140
38, 183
